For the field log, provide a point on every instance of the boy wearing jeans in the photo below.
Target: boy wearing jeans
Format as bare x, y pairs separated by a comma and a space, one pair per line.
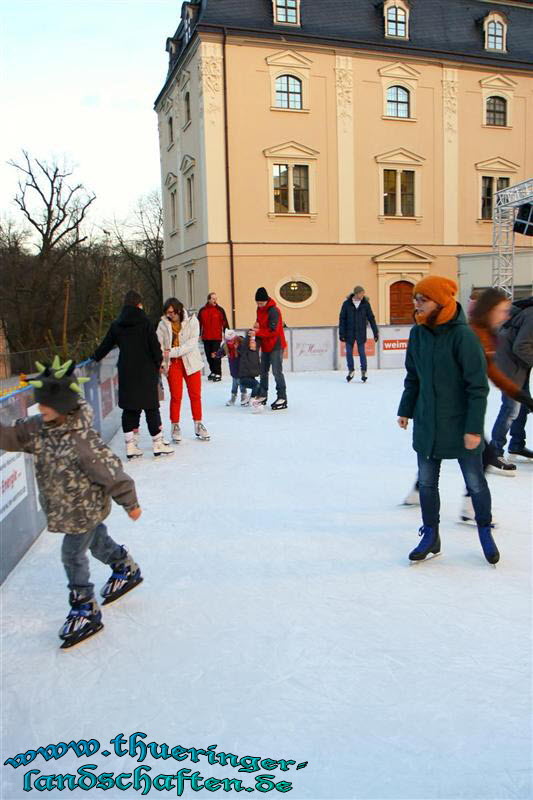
77, 475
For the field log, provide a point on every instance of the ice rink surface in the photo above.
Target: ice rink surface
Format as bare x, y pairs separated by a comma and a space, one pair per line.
279, 616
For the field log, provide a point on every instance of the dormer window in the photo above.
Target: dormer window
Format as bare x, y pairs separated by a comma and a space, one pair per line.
286, 12
495, 27
396, 13
186, 29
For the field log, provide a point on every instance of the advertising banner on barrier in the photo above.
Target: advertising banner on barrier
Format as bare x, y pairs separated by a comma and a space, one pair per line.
370, 350
393, 344
14, 487
313, 349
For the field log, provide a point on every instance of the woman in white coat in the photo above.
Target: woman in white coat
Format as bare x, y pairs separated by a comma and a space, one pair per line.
178, 335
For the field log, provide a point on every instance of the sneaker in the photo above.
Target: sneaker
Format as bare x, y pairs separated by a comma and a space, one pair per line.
231, 401
132, 451
523, 452
125, 576
279, 404
160, 447
363, 376
176, 432
502, 467
350, 375
201, 432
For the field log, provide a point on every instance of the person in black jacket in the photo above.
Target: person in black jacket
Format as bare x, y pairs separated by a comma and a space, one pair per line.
356, 314
139, 364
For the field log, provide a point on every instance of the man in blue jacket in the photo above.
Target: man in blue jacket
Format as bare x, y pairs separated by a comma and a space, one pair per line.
356, 314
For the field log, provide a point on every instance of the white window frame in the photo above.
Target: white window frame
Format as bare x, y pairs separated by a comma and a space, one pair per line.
286, 154
296, 277
406, 77
294, 64
499, 18
493, 168
399, 85
401, 5
300, 81
283, 22
400, 160
498, 86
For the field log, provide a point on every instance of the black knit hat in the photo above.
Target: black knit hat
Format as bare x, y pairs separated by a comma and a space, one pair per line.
56, 386
261, 294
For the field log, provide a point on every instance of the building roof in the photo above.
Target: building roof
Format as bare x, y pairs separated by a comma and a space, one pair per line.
438, 29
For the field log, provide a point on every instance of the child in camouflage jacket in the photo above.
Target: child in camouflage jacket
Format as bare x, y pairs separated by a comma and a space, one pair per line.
77, 475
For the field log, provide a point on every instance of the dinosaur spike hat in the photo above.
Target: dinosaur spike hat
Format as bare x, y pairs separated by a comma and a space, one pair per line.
56, 386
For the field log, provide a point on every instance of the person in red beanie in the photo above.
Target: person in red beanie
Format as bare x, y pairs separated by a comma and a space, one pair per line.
445, 393
213, 322
268, 330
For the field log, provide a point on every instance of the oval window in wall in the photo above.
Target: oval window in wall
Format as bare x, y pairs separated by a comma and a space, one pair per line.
295, 291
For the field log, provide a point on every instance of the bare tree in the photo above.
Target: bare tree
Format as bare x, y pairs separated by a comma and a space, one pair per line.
140, 240
55, 208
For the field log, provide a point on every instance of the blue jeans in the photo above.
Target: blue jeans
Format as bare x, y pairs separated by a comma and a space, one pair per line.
518, 429
273, 359
509, 412
234, 385
476, 484
250, 383
75, 560
360, 351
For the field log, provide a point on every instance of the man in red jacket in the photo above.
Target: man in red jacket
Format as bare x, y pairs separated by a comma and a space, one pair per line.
269, 333
213, 323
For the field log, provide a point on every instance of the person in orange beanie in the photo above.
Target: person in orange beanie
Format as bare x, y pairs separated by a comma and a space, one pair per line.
445, 393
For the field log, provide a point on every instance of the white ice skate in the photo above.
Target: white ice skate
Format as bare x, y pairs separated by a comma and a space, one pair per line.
160, 447
468, 515
176, 432
132, 450
413, 498
201, 432
231, 401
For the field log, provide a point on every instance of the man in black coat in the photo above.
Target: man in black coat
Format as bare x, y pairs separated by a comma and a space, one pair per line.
139, 363
356, 314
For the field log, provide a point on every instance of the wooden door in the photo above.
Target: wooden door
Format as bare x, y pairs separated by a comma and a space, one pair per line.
401, 303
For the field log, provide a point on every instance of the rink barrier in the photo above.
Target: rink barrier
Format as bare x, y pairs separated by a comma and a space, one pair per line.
315, 349
22, 519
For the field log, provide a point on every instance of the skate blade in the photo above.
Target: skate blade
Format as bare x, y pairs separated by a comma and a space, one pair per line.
72, 641
429, 557
132, 458
111, 598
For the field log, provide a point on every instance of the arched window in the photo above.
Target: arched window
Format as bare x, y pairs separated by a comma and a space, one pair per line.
288, 92
495, 36
497, 111
396, 22
398, 102
495, 27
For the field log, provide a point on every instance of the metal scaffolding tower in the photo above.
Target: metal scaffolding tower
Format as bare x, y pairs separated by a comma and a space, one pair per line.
507, 201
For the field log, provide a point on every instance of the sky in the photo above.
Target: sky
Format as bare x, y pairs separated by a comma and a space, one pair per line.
78, 80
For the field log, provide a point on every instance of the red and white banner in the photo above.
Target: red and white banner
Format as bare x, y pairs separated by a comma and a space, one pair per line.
13, 486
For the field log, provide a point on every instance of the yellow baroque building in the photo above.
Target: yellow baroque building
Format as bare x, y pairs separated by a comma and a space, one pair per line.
310, 146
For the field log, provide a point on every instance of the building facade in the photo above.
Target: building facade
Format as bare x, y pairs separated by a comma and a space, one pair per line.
311, 145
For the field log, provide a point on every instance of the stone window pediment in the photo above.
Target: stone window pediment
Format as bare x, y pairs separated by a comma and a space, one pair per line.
291, 150
498, 82
187, 163
290, 59
497, 165
170, 180
399, 70
400, 156
184, 79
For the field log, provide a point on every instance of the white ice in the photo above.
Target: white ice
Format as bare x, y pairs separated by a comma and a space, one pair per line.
279, 616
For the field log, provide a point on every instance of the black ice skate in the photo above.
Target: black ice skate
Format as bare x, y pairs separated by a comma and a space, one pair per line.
350, 375
363, 376
84, 620
522, 452
429, 543
126, 576
279, 404
488, 545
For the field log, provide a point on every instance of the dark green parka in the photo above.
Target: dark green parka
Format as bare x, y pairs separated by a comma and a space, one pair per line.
446, 388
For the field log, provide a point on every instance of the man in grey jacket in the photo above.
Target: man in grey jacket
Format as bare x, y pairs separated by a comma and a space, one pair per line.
515, 358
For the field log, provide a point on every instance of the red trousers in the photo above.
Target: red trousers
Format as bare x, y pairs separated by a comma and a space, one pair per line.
176, 376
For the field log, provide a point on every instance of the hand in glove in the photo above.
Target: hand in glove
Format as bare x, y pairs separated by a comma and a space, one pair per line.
525, 399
